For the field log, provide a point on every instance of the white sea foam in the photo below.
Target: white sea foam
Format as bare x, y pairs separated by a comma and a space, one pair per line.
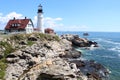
112, 42
117, 49
106, 41
119, 55
108, 56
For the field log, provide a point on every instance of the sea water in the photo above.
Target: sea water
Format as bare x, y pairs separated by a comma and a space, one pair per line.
108, 52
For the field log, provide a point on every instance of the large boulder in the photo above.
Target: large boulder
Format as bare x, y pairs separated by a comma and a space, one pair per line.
80, 42
32, 38
71, 53
92, 69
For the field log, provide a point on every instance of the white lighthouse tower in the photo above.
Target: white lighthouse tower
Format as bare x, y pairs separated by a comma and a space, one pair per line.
39, 19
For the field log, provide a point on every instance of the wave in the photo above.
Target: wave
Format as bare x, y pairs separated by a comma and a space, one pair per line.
106, 41
118, 55
117, 49
106, 56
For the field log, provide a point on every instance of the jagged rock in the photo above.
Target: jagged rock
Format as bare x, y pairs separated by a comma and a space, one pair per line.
32, 38
45, 76
68, 36
92, 69
80, 42
79, 63
23, 42
1, 55
71, 53
42, 61
65, 44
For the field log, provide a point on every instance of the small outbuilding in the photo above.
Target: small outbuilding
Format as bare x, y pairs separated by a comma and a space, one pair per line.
49, 31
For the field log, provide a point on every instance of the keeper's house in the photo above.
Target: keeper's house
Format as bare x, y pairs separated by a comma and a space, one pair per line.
19, 25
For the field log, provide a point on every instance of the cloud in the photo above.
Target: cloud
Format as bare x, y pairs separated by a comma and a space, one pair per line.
72, 28
4, 18
52, 22
35, 20
48, 22
57, 25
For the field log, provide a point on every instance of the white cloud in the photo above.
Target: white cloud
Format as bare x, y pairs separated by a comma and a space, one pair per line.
4, 18
58, 19
57, 25
35, 21
72, 28
52, 22
48, 22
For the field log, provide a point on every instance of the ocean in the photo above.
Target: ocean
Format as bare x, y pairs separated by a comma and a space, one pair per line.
108, 52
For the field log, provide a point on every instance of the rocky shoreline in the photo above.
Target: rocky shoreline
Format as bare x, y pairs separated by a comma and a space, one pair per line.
50, 59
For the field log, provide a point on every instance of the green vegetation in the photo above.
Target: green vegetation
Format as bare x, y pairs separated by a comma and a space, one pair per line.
8, 48
17, 37
30, 43
48, 37
57, 38
3, 66
12, 43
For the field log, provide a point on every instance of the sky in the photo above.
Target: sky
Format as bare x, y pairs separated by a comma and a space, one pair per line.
66, 15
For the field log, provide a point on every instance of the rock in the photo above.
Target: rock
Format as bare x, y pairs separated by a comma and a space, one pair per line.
45, 76
79, 63
72, 53
80, 42
23, 42
67, 36
1, 55
65, 44
32, 38
47, 45
49, 60
91, 69
12, 58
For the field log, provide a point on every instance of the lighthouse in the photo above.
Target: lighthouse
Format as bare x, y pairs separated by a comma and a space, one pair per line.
39, 19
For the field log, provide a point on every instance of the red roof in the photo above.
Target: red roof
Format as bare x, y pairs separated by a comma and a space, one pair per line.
22, 23
49, 30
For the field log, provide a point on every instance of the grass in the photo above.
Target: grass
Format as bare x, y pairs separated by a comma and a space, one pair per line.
16, 38
8, 48
30, 43
48, 37
3, 66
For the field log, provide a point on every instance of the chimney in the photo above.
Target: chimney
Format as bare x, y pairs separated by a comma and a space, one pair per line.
25, 17
14, 18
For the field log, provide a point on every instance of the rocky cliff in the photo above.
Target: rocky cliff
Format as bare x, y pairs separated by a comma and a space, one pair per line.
46, 57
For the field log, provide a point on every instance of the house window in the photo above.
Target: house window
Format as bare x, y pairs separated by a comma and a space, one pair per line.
18, 24
15, 25
29, 25
12, 25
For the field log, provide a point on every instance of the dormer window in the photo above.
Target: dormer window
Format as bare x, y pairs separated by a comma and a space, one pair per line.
15, 25
12, 25
18, 25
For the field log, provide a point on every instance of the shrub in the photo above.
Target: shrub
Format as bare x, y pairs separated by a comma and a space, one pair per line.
8, 48
30, 43
3, 66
